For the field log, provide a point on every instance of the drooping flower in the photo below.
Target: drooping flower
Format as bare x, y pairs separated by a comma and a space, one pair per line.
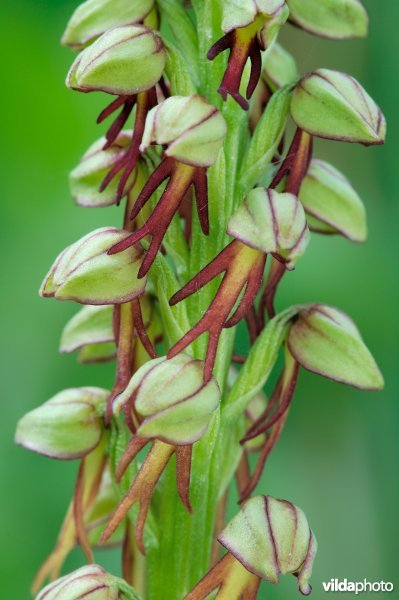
94, 17
68, 426
128, 62
168, 404
250, 27
331, 204
266, 223
192, 132
84, 272
332, 105
323, 340
89, 583
266, 539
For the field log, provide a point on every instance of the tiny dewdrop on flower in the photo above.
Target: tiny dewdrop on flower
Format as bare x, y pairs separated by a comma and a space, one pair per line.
172, 407
250, 27
192, 132
266, 539
128, 62
267, 223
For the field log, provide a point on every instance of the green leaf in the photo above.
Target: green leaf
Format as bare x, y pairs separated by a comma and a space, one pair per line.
177, 72
183, 30
325, 340
334, 19
266, 138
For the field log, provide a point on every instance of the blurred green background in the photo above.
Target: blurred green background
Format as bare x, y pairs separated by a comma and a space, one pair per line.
338, 456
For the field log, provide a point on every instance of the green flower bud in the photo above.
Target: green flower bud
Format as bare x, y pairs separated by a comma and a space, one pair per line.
270, 538
94, 17
333, 105
192, 130
67, 426
89, 583
84, 272
331, 203
91, 325
273, 223
240, 14
85, 179
173, 399
279, 67
123, 61
325, 340
334, 19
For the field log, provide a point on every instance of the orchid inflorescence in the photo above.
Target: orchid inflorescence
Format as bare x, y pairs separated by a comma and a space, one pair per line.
159, 450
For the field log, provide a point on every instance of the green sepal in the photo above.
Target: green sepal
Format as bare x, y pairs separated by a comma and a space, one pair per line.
67, 426
333, 105
325, 340
331, 202
334, 19
94, 17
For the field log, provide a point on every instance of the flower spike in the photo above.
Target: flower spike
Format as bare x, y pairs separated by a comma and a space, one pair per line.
266, 539
249, 29
174, 407
193, 132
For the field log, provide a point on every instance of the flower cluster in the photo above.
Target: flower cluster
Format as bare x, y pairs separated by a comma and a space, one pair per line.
177, 427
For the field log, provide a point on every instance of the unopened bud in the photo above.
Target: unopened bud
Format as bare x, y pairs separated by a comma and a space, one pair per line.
192, 130
279, 67
331, 203
334, 19
271, 537
123, 61
84, 272
86, 178
333, 105
272, 222
173, 399
94, 17
89, 583
325, 340
67, 426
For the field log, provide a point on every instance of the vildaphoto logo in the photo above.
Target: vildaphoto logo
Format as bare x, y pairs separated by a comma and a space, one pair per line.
358, 587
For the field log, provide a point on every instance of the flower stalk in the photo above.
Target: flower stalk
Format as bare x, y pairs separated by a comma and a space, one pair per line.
164, 293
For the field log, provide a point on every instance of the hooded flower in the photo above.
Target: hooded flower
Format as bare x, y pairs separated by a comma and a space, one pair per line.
168, 404
266, 539
126, 61
192, 132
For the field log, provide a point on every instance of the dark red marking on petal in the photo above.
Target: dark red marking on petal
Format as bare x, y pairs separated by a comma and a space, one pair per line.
141, 330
